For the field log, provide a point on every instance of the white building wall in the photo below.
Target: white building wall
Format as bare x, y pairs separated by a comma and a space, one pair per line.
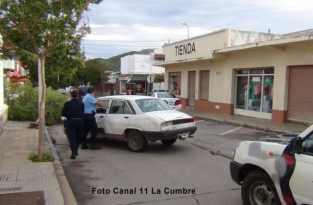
1, 86
139, 64
184, 84
8, 64
3, 107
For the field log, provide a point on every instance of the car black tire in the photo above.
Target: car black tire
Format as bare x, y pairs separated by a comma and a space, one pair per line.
252, 183
136, 141
169, 143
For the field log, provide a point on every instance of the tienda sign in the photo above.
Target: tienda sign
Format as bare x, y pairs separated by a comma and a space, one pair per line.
185, 49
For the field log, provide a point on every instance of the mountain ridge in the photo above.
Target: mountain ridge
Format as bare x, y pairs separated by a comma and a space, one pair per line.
113, 63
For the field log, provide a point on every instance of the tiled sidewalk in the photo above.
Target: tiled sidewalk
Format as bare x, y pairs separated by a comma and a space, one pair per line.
267, 125
17, 173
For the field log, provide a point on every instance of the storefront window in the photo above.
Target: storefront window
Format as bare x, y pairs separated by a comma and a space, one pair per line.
254, 90
268, 94
242, 88
174, 83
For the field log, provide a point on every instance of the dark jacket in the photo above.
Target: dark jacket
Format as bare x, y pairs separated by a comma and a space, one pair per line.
73, 109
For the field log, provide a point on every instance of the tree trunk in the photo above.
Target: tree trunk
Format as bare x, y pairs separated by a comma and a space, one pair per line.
41, 104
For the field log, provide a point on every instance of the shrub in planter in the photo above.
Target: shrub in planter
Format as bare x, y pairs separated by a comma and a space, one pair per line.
54, 105
23, 104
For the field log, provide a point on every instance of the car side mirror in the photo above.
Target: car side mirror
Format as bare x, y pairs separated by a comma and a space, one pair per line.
296, 145
101, 110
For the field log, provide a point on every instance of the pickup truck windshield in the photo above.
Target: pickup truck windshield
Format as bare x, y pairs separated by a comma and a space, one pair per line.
151, 105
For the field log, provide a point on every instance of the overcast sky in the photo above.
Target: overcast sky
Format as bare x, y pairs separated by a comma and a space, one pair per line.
118, 26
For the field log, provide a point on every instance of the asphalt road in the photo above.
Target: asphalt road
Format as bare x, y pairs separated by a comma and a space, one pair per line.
196, 169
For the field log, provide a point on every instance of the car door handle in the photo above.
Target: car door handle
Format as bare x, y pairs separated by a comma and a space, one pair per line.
101, 116
126, 117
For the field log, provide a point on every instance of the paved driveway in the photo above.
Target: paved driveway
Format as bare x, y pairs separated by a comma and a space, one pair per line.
190, 165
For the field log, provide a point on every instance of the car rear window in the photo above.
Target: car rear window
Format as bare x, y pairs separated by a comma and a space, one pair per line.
165, 95
152, 105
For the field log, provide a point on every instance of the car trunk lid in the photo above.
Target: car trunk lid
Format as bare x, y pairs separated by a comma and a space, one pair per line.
169, 115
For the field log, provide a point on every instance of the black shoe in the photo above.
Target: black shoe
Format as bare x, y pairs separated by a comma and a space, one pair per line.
84, 147
73, 156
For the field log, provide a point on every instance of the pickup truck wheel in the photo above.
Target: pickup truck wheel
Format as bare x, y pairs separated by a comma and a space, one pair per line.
258, 189
136, 142
168, 143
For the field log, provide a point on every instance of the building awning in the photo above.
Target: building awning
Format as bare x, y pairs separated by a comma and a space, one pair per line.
134, 78
139, 77
16, 76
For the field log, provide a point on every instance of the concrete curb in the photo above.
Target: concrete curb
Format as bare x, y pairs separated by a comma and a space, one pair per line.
278, 131
68, 195
67, 192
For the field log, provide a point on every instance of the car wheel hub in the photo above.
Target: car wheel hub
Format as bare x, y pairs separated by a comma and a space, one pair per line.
262, 195
134, 142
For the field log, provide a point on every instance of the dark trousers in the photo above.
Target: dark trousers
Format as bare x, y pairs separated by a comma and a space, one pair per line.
90, 125
74, 131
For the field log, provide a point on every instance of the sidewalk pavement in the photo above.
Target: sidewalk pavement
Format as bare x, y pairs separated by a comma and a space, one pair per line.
262, 124
18, 174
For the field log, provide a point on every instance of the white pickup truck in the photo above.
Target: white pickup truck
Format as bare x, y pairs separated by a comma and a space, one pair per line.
275, 171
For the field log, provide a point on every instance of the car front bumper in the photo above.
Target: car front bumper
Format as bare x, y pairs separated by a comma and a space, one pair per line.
169, 134
235, 168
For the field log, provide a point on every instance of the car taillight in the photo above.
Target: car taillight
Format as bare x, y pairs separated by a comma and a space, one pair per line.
191, 120
289, 200
289, 159
177, 102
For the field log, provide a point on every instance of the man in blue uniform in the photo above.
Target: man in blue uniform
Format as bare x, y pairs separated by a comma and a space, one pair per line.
72, 113
90, 124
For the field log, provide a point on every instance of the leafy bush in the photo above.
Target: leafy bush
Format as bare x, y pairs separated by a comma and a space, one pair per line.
54, 105
46, 157
23, 104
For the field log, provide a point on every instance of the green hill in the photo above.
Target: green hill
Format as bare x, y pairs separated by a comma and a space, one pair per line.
114, 62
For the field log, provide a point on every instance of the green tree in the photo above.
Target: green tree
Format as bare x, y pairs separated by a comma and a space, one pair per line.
94, 71
159, 78
37, 28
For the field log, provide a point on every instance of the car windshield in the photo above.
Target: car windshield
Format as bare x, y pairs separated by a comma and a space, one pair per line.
151, 105
164, 95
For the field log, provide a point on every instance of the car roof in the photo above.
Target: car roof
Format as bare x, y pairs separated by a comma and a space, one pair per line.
126, 97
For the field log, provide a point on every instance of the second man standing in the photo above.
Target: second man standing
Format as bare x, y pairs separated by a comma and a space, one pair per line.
90, 125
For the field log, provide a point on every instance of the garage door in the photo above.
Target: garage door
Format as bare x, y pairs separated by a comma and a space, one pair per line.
300, 102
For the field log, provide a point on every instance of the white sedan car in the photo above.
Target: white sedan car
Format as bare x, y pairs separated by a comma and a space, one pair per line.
172, 101
140, 119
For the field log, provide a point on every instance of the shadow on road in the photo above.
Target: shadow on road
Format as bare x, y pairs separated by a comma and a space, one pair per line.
152, 147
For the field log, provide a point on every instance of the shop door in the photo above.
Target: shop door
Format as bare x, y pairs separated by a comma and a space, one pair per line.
191, 87
300, 101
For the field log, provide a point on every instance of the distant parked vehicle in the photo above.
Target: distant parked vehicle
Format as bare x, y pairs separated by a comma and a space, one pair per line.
171, 100
142, 119
62, 90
